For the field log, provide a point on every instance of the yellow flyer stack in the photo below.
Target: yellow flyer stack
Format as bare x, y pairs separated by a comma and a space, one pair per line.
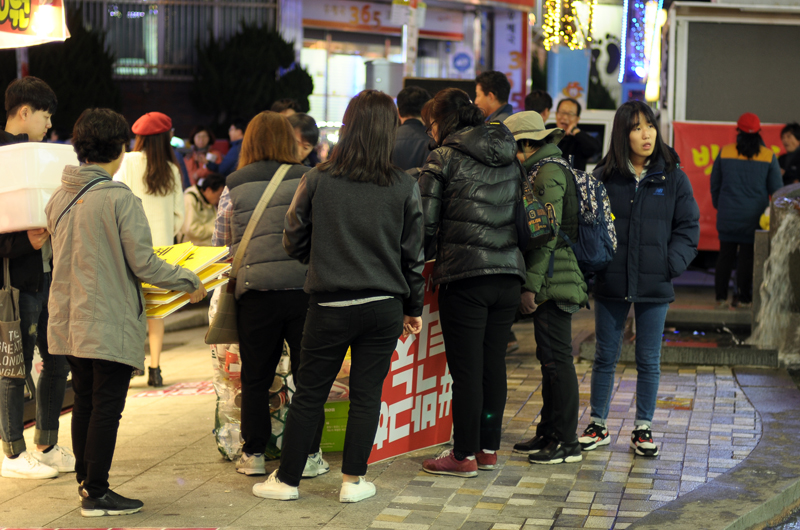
203, 261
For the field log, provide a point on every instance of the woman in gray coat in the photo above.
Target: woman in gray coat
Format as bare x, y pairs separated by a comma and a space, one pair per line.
102, 252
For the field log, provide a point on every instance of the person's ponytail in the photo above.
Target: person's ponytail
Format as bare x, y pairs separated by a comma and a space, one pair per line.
452, 111
470, 115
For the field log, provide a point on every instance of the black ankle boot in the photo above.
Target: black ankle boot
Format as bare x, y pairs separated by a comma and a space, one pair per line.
154, 377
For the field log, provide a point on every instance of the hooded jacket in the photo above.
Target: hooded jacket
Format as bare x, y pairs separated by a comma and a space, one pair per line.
102, 252
470, 188
658, 229
556, 186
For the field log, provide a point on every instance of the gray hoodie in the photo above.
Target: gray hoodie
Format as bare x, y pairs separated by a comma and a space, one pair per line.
102, 251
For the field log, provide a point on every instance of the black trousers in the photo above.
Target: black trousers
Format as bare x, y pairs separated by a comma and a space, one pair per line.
476, 316
100, 390
553, 333
744, 270
265, 320
371, 331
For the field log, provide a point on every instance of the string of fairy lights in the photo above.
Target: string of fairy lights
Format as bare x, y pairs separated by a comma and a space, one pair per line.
563, 24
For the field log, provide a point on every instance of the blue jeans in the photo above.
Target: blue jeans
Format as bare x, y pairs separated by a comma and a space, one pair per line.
52, 380
609, 321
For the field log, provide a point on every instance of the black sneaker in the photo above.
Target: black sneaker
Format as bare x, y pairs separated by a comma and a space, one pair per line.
556, 453
594, 436
532, 446
109, 504
642, 442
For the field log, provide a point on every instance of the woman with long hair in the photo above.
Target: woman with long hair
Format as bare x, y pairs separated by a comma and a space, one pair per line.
657, 224
356, 219
151, 172
743, 177
470, 189
270, 302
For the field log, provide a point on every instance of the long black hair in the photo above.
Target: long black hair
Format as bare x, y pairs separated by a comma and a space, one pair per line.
625, 120
748, 144
366, 140
452, 110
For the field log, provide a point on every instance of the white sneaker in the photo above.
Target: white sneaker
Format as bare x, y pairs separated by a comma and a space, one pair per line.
315, 466
251, 464
25, 466
273, 488
59, 458
356, 491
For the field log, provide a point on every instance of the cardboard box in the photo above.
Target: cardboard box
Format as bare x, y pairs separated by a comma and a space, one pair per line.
31, 173
335, 425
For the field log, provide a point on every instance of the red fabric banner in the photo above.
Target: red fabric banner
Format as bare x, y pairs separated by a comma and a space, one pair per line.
417, 393
698, 145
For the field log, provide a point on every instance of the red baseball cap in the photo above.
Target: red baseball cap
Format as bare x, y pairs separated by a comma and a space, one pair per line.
155, 123
748, 123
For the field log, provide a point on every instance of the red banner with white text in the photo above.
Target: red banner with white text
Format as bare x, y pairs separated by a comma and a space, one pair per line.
417, 393
698, 145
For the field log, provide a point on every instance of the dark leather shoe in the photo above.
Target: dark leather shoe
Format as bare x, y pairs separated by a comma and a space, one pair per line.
557, 452
532, 446
154, 377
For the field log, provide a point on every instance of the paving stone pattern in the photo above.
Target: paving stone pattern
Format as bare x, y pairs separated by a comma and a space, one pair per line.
704, 425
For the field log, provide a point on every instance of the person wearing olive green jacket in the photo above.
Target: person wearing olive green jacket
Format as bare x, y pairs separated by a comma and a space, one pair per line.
552, 298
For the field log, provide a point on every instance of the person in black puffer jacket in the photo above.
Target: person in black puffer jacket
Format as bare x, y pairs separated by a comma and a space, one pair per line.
657, 223
470, 187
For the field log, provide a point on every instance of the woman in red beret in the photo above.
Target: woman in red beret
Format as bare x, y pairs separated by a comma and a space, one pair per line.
151, 172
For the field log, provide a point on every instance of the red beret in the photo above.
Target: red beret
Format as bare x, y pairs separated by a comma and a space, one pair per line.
749, 123
152, 123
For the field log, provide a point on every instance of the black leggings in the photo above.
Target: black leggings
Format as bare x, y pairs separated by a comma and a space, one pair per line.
744, 270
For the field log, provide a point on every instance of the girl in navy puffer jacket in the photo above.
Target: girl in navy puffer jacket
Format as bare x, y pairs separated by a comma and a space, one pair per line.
657, 224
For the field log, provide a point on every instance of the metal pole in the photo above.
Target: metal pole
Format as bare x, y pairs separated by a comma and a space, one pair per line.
22, 63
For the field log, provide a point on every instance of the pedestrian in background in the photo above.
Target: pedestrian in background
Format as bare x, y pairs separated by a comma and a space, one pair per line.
306, 133
286, 107
552, 296
743, 177
29, 104
365, 280
200, 210
470, 189
152, 174
411, 148
578, 146
102, 252
657, 225
790, 161
539, 101
492, 90
202, 141
231, 160
270, 302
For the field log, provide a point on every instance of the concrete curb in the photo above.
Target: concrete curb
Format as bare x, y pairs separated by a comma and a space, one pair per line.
741, 356
762, 489
703, 317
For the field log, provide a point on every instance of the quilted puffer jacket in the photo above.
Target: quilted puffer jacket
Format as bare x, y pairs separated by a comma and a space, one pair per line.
470, 187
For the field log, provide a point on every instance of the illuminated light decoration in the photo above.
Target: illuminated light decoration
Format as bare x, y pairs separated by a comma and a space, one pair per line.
652, 90
562, 24
623, 41
640, 31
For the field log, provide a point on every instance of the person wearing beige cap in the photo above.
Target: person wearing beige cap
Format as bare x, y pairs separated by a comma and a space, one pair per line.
151, 172
551, 298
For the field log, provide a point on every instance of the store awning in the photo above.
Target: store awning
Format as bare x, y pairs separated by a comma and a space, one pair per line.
31, 22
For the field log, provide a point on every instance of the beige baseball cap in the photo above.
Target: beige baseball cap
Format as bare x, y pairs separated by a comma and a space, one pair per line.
529, 125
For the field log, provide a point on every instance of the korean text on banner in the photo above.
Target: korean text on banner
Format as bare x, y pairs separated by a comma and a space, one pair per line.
417, 393
511, 53
698, 145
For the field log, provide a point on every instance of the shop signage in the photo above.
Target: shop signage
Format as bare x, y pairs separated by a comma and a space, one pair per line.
698, 145
31, 22
366, 17
416, 401
511, 54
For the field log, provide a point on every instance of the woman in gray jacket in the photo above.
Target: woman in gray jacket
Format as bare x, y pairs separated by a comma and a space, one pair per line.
102, 252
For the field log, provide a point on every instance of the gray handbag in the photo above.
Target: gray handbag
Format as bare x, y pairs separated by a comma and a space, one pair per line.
223, 329
12, 360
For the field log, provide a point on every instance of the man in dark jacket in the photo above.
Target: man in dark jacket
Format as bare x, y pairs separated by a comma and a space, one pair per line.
231, 160
577, 146
29, 104
491, 95
411, 148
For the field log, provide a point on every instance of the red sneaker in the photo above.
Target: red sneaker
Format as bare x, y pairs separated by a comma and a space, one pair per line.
486, 459
446, 464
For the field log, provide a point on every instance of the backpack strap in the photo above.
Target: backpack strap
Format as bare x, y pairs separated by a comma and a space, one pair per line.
77, 197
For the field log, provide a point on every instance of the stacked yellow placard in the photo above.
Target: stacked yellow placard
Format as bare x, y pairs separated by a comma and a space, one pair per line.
200, 260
